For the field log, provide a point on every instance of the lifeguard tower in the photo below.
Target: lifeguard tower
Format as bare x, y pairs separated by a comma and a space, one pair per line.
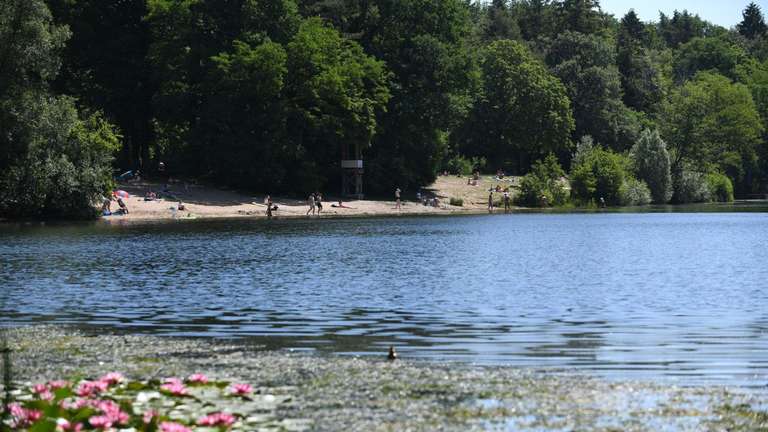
352, 171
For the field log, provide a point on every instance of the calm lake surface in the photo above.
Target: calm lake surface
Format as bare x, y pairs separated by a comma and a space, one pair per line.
680, 297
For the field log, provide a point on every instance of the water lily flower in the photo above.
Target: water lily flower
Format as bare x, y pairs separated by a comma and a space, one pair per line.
241, 389
149, 415
23, 417
55, 385
217, 419
64, 425
91, 388
112, 378
173, 427
174, 388
100, 422
198, 378
41, 390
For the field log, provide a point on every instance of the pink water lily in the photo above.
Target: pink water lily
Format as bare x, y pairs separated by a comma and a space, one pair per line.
55, 385
241, 389
91, 388
174, 388
149, 415
217, 419
112, 378
64, 425
173, 427
197, 378
23, 417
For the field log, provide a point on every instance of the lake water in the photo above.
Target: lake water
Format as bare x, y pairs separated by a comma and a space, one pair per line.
679, 297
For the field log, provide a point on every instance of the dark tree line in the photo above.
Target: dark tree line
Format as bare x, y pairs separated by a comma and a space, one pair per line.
264, 94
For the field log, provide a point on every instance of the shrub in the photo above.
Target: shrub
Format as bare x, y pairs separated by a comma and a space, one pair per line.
599, 174
544, 180
464, 166
651, 162
458, 202
720, 187
635, 192
691, 187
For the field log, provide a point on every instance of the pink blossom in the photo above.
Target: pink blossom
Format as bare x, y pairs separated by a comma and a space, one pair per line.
174, 388
173, 427
42, 392
55, 385
173, 380
23, 417
217, 419
241, 389
112, 378
100, 422
63, 425
91, 388
198, 379
149, 415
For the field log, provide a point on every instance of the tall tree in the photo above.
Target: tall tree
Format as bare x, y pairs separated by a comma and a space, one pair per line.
753, 23
639, 77
523, 113
712, 123
583, 16
586, 65
500, 22
53, 161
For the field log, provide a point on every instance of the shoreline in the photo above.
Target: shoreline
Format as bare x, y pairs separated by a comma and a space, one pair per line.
298, 391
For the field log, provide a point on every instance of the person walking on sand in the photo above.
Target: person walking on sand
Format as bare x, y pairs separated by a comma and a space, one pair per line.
311, 204
318, 202
397, 198
490, 201
507, 205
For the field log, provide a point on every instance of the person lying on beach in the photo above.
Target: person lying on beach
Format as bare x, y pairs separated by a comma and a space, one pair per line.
340, 205
150, 196
181, 206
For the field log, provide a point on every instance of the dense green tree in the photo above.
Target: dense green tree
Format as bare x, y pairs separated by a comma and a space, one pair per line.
681, 28
583, 16
599, 174
53, 162
423, 42
711, 53
713, 124
522, 114
535, 18
544, 185
640, 78
586, 65
652, 165
753, 24
105, 67
500, 23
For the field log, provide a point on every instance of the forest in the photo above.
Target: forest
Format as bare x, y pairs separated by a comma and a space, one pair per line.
262, 95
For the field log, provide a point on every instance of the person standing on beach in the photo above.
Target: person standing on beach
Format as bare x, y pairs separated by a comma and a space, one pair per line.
311, 203
507, 205
397, 198
319, 202
490, 201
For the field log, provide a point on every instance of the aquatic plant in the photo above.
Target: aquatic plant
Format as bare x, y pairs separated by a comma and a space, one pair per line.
114, 402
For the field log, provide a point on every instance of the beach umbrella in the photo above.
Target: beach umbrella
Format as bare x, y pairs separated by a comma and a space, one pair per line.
121, 194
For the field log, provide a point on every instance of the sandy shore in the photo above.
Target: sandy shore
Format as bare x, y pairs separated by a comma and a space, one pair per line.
208, 202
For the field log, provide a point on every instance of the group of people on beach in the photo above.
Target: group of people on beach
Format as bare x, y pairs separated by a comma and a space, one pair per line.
506, 199
106, 208
315, 202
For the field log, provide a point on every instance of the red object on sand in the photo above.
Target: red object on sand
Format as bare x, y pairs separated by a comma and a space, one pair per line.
121, 194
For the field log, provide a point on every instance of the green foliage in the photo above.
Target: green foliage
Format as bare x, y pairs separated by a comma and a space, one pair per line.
753, 24
691, 187
635, 192
522, 113
715, 54
652, 165
53, 163
546, 179
464, 166
599, 174
711, 123
720, 187
458, 202
586, 64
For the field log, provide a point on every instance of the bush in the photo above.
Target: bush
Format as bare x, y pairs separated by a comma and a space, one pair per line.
599, 174
652, 165
464, 166
544, 180
635, 192
458, 202
691, 187
720, 187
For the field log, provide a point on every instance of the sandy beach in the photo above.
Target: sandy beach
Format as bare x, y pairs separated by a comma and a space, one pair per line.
202, 201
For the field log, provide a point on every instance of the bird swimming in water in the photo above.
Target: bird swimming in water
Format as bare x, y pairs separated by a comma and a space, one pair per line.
392, 354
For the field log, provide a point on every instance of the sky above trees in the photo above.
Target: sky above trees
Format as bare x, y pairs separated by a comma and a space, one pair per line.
724, 13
